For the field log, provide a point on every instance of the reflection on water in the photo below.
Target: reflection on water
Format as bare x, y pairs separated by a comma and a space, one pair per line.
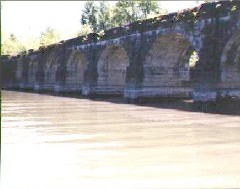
65, 143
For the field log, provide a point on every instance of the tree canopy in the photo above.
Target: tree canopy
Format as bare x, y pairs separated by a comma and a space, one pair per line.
95, 17
49, 36
11, 45
86, 29
89, 15
102, 16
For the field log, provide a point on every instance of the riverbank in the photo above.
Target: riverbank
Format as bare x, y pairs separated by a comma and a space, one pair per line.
227, 106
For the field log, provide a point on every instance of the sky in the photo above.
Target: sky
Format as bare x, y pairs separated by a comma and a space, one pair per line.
30, 18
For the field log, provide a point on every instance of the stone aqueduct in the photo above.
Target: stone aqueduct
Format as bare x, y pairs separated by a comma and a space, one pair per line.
148, 58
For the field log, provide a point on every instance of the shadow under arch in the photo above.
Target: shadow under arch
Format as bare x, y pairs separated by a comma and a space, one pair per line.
32, 71
230, 67
230, 59
76, 65
50, 70
19, 70
168, 69
111, 68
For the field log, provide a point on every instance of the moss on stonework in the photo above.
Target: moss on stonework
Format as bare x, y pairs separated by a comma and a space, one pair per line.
187, 16
232, 53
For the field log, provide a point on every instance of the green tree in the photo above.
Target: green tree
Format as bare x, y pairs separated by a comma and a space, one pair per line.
49, 36
89, 15
104, 16
125, 12
85, 29
11, 45
149, 8
129, 11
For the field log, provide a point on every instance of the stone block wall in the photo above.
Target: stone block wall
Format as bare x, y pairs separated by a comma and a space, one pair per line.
148, 58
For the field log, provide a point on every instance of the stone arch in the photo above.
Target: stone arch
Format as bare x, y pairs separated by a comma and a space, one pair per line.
19, 72
50, 70
187, 64
32, 71
230, 62
111, 67
22, 72
76, 65
166, 69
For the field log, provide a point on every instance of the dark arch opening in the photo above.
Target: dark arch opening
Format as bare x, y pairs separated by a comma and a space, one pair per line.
230, 68
169, 67
75, 68
187, 65
111, 68
50, 70
32, 71
230, 60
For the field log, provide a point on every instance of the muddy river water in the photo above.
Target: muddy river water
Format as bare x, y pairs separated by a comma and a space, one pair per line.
52, 142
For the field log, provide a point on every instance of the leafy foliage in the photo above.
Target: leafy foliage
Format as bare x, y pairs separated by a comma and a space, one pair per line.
89, 15
11, 45
86, 29
102, 16
96, 17
125, 12
105, 16
49, 36
149, 9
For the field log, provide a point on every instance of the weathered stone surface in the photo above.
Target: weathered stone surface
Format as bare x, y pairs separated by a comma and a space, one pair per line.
8, 72
111, 69
32, 71
76, 65
148, 58
164, 67
204, 96
19, 72
50, 69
